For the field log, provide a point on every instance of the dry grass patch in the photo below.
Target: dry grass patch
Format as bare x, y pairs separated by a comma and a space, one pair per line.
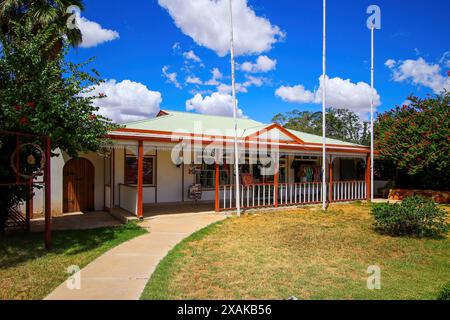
301, 252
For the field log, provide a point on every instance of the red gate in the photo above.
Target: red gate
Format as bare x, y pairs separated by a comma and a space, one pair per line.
29, 158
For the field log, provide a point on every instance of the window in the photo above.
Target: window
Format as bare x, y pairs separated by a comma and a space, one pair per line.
131, 169
282, 172
206, 176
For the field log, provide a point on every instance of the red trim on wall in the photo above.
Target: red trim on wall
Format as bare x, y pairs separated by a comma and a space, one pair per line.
276, 126
140, 180
331, 180
330, 148
217, 189
368, 161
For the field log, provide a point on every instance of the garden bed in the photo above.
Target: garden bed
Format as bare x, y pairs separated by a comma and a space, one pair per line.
441, 197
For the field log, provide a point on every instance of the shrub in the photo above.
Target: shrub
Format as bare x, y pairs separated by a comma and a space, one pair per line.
445, 293
415, 216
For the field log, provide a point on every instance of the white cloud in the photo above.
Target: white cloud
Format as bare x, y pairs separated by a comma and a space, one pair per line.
94, 34
390, 63
176, 48
226, 88
190, 55
253, 81
216, 75
340, 94
241, 87
215, 104
126, 101
171, 76
193, 80
419, 72
263, 64
207, 22
296, 94
445, 59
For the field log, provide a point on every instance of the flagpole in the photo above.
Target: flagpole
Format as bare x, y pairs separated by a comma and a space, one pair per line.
233, 89
324, 130
372, 147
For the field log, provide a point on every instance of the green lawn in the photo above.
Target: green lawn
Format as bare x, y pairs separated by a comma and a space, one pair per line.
304, 253
27, 271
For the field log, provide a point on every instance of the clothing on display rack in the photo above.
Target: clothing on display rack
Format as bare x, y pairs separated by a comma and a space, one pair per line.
311, 174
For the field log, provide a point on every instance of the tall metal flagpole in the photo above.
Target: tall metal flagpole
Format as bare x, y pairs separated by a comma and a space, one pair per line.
324, 130
372, 147
233, 89
373, 22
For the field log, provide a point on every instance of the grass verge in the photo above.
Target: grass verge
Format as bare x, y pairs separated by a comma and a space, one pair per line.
28, 271
303, 252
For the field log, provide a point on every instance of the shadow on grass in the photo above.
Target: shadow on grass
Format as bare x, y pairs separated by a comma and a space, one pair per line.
22, 247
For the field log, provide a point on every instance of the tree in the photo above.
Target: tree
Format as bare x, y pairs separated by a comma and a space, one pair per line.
342, 124
416, 138
40, 14
45, 97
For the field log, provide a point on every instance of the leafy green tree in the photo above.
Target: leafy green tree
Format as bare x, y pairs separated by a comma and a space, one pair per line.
45, 97
341, 124
41, 14
416, 138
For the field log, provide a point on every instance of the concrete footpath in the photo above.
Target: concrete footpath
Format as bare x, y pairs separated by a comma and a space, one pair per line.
122, 272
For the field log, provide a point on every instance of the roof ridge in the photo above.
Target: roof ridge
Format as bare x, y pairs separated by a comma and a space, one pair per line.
146, 120
208, 115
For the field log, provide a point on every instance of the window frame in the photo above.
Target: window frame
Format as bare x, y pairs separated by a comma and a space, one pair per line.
128, 154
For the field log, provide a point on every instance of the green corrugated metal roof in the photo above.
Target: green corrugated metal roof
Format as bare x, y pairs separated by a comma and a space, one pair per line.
312, 138
176, 121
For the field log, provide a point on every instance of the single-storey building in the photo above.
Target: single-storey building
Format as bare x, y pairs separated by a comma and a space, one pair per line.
182, 157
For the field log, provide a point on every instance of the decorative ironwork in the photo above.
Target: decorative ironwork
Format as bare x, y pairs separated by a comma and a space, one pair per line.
30, 164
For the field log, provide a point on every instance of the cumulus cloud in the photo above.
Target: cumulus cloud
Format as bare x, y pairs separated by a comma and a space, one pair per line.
94, 34
262, 64
216, 73
226, 88
190, 55
193, 80
340, 94
171, 76
215, 104
419, 72
207, 22
216, 76
126, 101
242, 87
390, 63
296, 94
445, 59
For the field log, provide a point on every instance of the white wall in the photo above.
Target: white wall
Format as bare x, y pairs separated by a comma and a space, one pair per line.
118, 172
57, 167
169, 178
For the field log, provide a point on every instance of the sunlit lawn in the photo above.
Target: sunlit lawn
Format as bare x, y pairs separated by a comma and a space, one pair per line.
303, 253
27, 271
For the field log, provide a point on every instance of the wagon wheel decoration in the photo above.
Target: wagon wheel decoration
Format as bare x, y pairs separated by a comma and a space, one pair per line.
28, 160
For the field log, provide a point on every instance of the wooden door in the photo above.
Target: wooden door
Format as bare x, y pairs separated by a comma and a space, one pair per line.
78, 185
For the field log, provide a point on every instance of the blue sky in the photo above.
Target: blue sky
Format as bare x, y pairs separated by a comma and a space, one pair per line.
414, 39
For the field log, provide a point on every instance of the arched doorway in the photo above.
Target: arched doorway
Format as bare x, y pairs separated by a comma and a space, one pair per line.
78, 185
